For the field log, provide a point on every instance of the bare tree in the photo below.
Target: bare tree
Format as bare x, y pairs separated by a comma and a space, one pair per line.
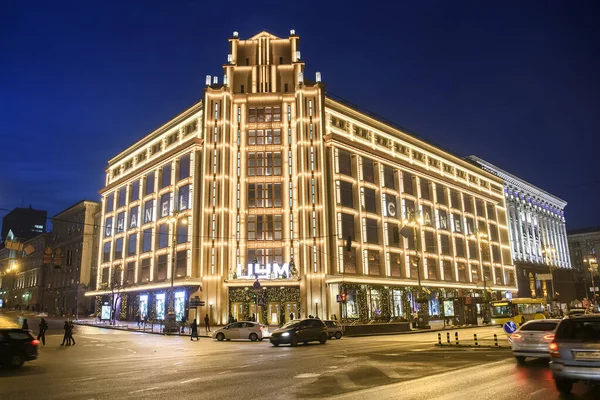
116, 286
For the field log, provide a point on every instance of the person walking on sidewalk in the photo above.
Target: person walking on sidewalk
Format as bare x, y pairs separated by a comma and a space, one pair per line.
138, 319
66, 340
206, 323
25, 325
71, 340
43, 328
194, 329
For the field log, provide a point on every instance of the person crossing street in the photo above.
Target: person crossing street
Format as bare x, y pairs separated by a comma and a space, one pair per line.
42, 334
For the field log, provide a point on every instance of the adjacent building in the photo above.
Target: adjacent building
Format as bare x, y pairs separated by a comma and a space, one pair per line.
584, 245
248, 200
537, 226
24, 223
73, 249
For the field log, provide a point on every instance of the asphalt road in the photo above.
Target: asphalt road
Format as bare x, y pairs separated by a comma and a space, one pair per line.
109, 364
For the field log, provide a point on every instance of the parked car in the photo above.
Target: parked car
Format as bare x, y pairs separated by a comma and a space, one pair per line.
334, 329
241, 330
16, 347
533, 338
296, 331
575, 351
577, 311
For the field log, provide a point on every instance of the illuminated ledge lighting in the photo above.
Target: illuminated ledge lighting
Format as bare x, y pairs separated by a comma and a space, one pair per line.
405, 282
146, 287
269, 283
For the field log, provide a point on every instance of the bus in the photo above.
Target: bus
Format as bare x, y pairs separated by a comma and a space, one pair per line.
518, 310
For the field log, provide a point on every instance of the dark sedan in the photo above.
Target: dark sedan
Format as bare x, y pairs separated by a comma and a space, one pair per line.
16, 347
296, 331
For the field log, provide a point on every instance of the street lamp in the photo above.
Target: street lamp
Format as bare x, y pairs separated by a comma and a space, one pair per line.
413, 220
480, 236
549, 253
171, 317
593, 263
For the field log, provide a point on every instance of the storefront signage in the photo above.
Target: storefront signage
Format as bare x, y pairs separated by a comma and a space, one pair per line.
267, 271
449, 308
105, 313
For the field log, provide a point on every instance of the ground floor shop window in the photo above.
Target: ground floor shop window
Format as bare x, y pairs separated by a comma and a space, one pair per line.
179, 305
143, 306
351, 304
374, 303
397, 306
160, 306
434, 304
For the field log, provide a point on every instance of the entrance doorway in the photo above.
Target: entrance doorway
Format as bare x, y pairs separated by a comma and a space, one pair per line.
273, 313
237, 310
291, 307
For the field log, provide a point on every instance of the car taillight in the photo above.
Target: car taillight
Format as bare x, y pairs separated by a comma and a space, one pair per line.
553, 347
35, 342
549, 336
516, 336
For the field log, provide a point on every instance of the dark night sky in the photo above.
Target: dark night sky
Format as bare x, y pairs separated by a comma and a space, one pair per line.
516, 83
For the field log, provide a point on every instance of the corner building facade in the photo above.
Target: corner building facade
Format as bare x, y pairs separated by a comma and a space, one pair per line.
271, 176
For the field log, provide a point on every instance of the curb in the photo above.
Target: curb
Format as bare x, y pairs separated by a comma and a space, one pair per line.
472, 346
413, 331
137, 331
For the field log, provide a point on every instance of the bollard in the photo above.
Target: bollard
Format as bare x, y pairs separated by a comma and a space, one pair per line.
475, 338
456, 337
448, 337
440, 339
495, 340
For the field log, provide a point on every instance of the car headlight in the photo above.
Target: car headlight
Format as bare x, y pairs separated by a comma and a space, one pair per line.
285, 334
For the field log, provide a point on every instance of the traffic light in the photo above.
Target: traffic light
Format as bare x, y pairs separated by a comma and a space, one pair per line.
349, 244
343, 297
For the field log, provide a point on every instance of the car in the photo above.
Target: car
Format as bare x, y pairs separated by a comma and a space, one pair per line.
532, 339
241, 330
576, 311
334, 329
16, 347
575, 352
300, 330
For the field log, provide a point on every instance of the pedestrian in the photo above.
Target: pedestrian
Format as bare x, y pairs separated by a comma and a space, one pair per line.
281, 318
183, 321
25, 325
194, 329
138, 320
66, 340
206, 323
253, 317
43, 328
71, 340
334, 317
291, 316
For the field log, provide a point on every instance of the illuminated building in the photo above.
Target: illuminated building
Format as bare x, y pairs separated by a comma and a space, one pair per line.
538, 236
267, 169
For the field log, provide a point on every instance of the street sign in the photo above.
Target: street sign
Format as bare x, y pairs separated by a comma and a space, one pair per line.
592, 289
338, 298
544, 277
256, 285
510, 327
196, 302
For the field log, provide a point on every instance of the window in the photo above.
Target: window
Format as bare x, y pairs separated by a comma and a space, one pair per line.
388, 177
165, 205
264, 227
368, 170
407, 183
264, 164
431, 269
264, 114
496, 253
370, 200
106, 252
347, 226
165, 176
134, 217
262, 137
119, 248
498, 273
130, 273
455, 199
445, 244
149, 189
145, 270
110, 203
462, 272
396, 265
134, 191
373, 260
181, 264
265, 256
440, 194
132, 242
108, 227
479, 207
182, 232
346, 194
344, 162
427, 215
163, 236
447, 267
184, 198
470, 226
122, 199
105, 275
425, 193
350, 261
456, 219
493, 233
372, 234
429, 242
409, 208
120, 222
491, 211
474, 273
147, 240
148, 211
389, 206
442, 219
184, 167
264, 195
161, 267
468, 200
460, 247
472, 250
393, 235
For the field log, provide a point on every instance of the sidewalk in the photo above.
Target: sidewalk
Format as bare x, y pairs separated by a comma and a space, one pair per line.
132, 326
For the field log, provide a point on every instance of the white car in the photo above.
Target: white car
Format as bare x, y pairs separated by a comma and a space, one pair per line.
241, 330
533, 338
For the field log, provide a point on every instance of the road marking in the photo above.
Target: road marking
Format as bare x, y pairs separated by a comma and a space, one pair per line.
144, 390
532, 395
345, 382
224, 372
190, 380
386, 371
306, 376
83, 379
178, 363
